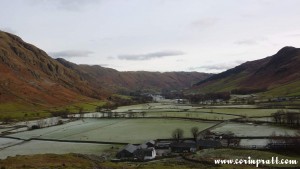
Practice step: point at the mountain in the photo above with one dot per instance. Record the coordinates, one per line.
(32, 78)
(277, 75)
(115, 81)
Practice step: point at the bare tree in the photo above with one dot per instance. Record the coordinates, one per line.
(80, 110)
(116, 114)
(109, 114)
(195, 131)
(143, 113)
(177, 134)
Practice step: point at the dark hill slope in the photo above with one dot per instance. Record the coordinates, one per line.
(114, 80)
(277, 74)
(28, 76)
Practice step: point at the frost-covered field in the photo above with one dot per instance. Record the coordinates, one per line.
(249, 129)
(45, 147)
(202, 115)
(153, 107)
(115, 130)
(256, 142)
(6, 142)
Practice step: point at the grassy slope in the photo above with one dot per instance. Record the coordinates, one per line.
(23, 111)
(291, 89)
(73, 161)
(222, 85)
(244, 154)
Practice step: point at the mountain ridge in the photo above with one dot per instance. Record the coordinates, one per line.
(30, 76)
(268, 73)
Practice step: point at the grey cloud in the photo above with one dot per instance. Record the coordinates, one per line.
(70, 5)
(9, 30)
(74, 4)
(252, 41)
(149, 56)
(104, 65)
(217, 67)
(246, 42)
(70, 53)
(204, 22)
(293, 35)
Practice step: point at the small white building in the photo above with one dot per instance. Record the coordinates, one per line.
(150, 153)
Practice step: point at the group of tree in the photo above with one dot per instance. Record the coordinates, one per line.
(60, 113)
(244, 91)
(287, 118)
(196, 98)
(177, 134)
(172, 94)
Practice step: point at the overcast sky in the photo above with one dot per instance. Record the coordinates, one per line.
(155, 35)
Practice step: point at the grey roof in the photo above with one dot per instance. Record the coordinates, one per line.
(130, 148)
(151, 141)
(184, 145)
(209, 143)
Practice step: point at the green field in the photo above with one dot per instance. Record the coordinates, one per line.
(177, 110)
(115, 130)
(249, 129)
(243, 112)
(43, 147)
(21, 112)
(201, 115)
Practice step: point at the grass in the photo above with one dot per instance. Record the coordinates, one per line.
(77, 161)
(21, 112)
(242, 112)
(244, 154)
(201, 115)
(291, 89)
(43, 147)
(249, 129)
(122, 96)
(68, 161)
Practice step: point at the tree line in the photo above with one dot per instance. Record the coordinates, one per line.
(287, 118)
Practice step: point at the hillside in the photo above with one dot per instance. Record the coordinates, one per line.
(277, 75)
(31, 78)
(115, 81)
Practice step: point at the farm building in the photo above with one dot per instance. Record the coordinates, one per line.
(186, 146)
(145, 151)
(162, 144)
(127, 151)
(208, 144)
(145, 154)
(147, 144)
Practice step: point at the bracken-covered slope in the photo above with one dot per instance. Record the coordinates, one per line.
(29, 76)
(114, 80)
(278, 74)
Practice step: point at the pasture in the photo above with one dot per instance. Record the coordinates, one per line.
(116, 130)
(45, 147)
(250, 129)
